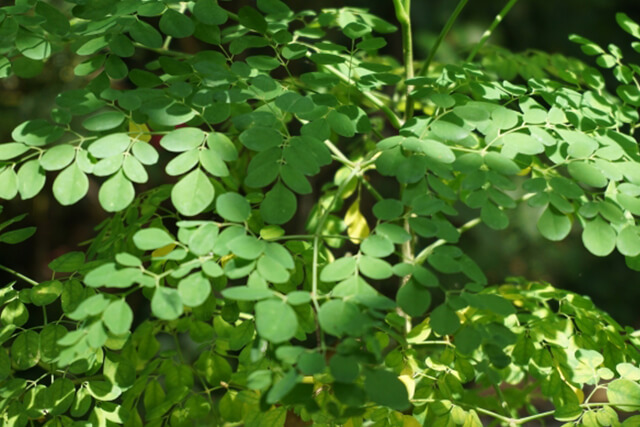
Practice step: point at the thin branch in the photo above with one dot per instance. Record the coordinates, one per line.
(499, 17)
(316, 249)
(19, 275)
(391, 116)
(424, 254)
(442, 35)
(403, 14)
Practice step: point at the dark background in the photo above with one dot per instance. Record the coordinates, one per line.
(531, 24)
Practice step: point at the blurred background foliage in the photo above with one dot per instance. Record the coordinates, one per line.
(542, 25)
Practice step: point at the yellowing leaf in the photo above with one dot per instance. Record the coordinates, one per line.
(410, 384)
(225, 259)
(409, 421)
(165, 250)
(357, 227)
(140, 132)
(525, 171)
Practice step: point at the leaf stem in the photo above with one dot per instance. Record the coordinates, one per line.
(424, 254)
(316, 249)
(391, 116)
(403, 14)
(445, 30)
(496, 21)
(167, 41)
(19, 275)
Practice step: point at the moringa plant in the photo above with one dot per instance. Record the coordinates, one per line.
(285, 208)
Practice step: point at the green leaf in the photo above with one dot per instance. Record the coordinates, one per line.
(57, 157)
(295, 180)
(8, 184)
(213, 163)
(494, 217)
(444, 320)
(341, 124)
(31, 179)
(116, 193)
(377, 246)
(166, 304)
(134, 170)
(175, 24)
(500, 163)
(104, 121)
(5, 365)
(628, 24)
(183, 139)
(145, 34)
(46, 292)
(553, 226)
(520, 143)
(25, 350)
(272, 270)
(588, 174)
(68, 263)
(203, 239)
(338, 317)
(247, 247)
(628, 241)
(208, 12)
(118, 317)
(388, 209)
(344, 369)
(32, 45)
(17, 236)
(252, 19)
(183, 162)
(152, 238)
(437, 151)
(279, 205)
(194, 289)
(599, 237)
(110, 145)
(145, 153)
(624, 394)
(233, 207)
(413, 299)
(375, 268)
(338, 270)
(260, 138)
(70, 185)
(193, 193)
(276, 321)
(384, 388)
(245, 293)
(12, 149)
(55, 21)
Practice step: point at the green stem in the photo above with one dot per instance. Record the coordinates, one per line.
(442, 35)
(403, 14)
(496, 21)
(338, 153)
(516, 421)
(19, 275)
(370, 188)
(391, 116)
(424, 254)
(316, 249)
(167, 41)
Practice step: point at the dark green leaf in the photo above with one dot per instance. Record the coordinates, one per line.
(175, 24)
(384, 388)
(279, 205)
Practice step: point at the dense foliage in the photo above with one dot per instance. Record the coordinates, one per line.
(286, 206)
